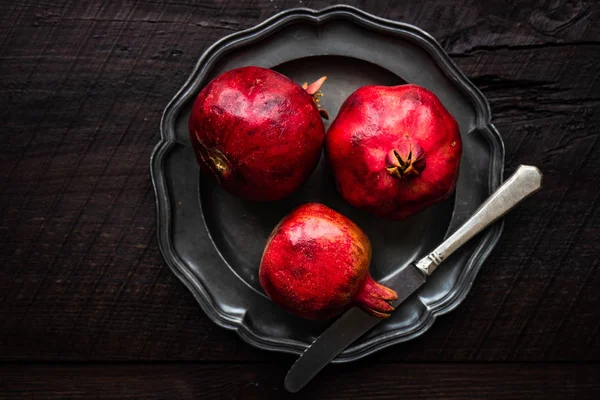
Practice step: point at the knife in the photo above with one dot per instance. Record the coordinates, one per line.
(354, 323)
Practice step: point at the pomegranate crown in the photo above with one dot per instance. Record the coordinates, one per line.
(314, 89)
(406, 161)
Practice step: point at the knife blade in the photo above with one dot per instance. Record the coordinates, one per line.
(355, 323)
(346, 329)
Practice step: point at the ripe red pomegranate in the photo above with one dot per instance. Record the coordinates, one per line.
(257, 132)
(316, 265)
(394, 150)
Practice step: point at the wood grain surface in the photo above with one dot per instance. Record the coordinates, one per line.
(237, 381)
(82, 88)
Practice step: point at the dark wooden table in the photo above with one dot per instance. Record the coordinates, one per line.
(88, 308)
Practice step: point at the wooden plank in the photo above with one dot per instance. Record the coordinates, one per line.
(264, 381)
(83, 88)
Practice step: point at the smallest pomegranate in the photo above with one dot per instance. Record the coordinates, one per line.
(316, 265)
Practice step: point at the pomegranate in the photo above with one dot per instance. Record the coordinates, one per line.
(257, 132)
(316, 265)
(394, 150)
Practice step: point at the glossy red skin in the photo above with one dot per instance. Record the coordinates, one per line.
(376, 119)
(267, 127)
(316, 265)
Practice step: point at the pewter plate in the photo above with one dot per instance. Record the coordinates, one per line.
(213, 241)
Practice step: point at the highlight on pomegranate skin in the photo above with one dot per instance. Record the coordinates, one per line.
(394, 151)
(258, 133)
(316, 265)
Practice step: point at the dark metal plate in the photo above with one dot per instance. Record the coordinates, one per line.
(213, 241)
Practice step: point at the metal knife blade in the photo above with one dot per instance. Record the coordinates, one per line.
(346, 329)
(355, 323)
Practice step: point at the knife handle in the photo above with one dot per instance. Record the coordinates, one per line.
(524, 182)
